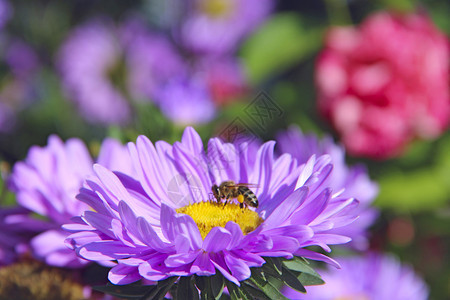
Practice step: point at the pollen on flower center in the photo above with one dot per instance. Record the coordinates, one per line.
(208, 215)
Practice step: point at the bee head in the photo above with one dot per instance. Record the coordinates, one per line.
(216, 192)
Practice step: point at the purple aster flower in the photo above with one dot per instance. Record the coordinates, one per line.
(165, 221)
(349, 181)
(47, 183)
(17, 228)
(104, 67)
(217, 26)
(371, 277)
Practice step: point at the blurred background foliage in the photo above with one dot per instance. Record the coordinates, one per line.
(279, 58)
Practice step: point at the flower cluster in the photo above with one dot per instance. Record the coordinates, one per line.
(384, 83)
(106, 68)
(164, 221)
(48, 181)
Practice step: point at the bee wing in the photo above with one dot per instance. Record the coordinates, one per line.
(253, 185)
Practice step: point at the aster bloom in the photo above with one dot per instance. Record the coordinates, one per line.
(371, 277)
(17, 230)
(47, 183)
(350, 181)
(216, 27)
(164, 222)
(385, 83)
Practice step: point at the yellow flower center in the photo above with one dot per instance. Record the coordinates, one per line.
(208, 215)
(216, 8)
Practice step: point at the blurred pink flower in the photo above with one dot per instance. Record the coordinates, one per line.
(385, 83)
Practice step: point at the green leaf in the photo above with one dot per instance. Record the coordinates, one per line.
(217, 285)
(6, 197)
(279, 44)
(132, 291)
(256, 293)
(233, 290)
(291, 279)
(186, 289)
(266, 287)
(297, 264)
(416, 190)
(399, 5)
(275, 264)
(308, 279)
(161, 289)
(200, 282)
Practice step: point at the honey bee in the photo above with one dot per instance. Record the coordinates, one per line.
(229, 189)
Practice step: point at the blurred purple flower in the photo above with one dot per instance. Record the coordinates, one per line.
(186, 101)
(371, 277)
(47, 183)
(18, 87)
(86, 58)
(194, 100)
(6, 12)
(17, 228)
(349, 181)
(217, 26)
(151, 60)
(160, 224)
(105, 67)
(21, 59)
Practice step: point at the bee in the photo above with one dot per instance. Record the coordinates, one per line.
(229, 189)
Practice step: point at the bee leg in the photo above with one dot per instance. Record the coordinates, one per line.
(241, 205)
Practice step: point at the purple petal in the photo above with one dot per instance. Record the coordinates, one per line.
(181, 259)
(173, 225)
(316, 256)
(236, 234)
(149, 236)
(217, 240)
(286, 208)
(106, 250)
(238, 267)
(220, 264)
(121, 274)
(309, 211)
(191, 139)
(203, 266)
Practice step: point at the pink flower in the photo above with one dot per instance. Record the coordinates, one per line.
(385, 83)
